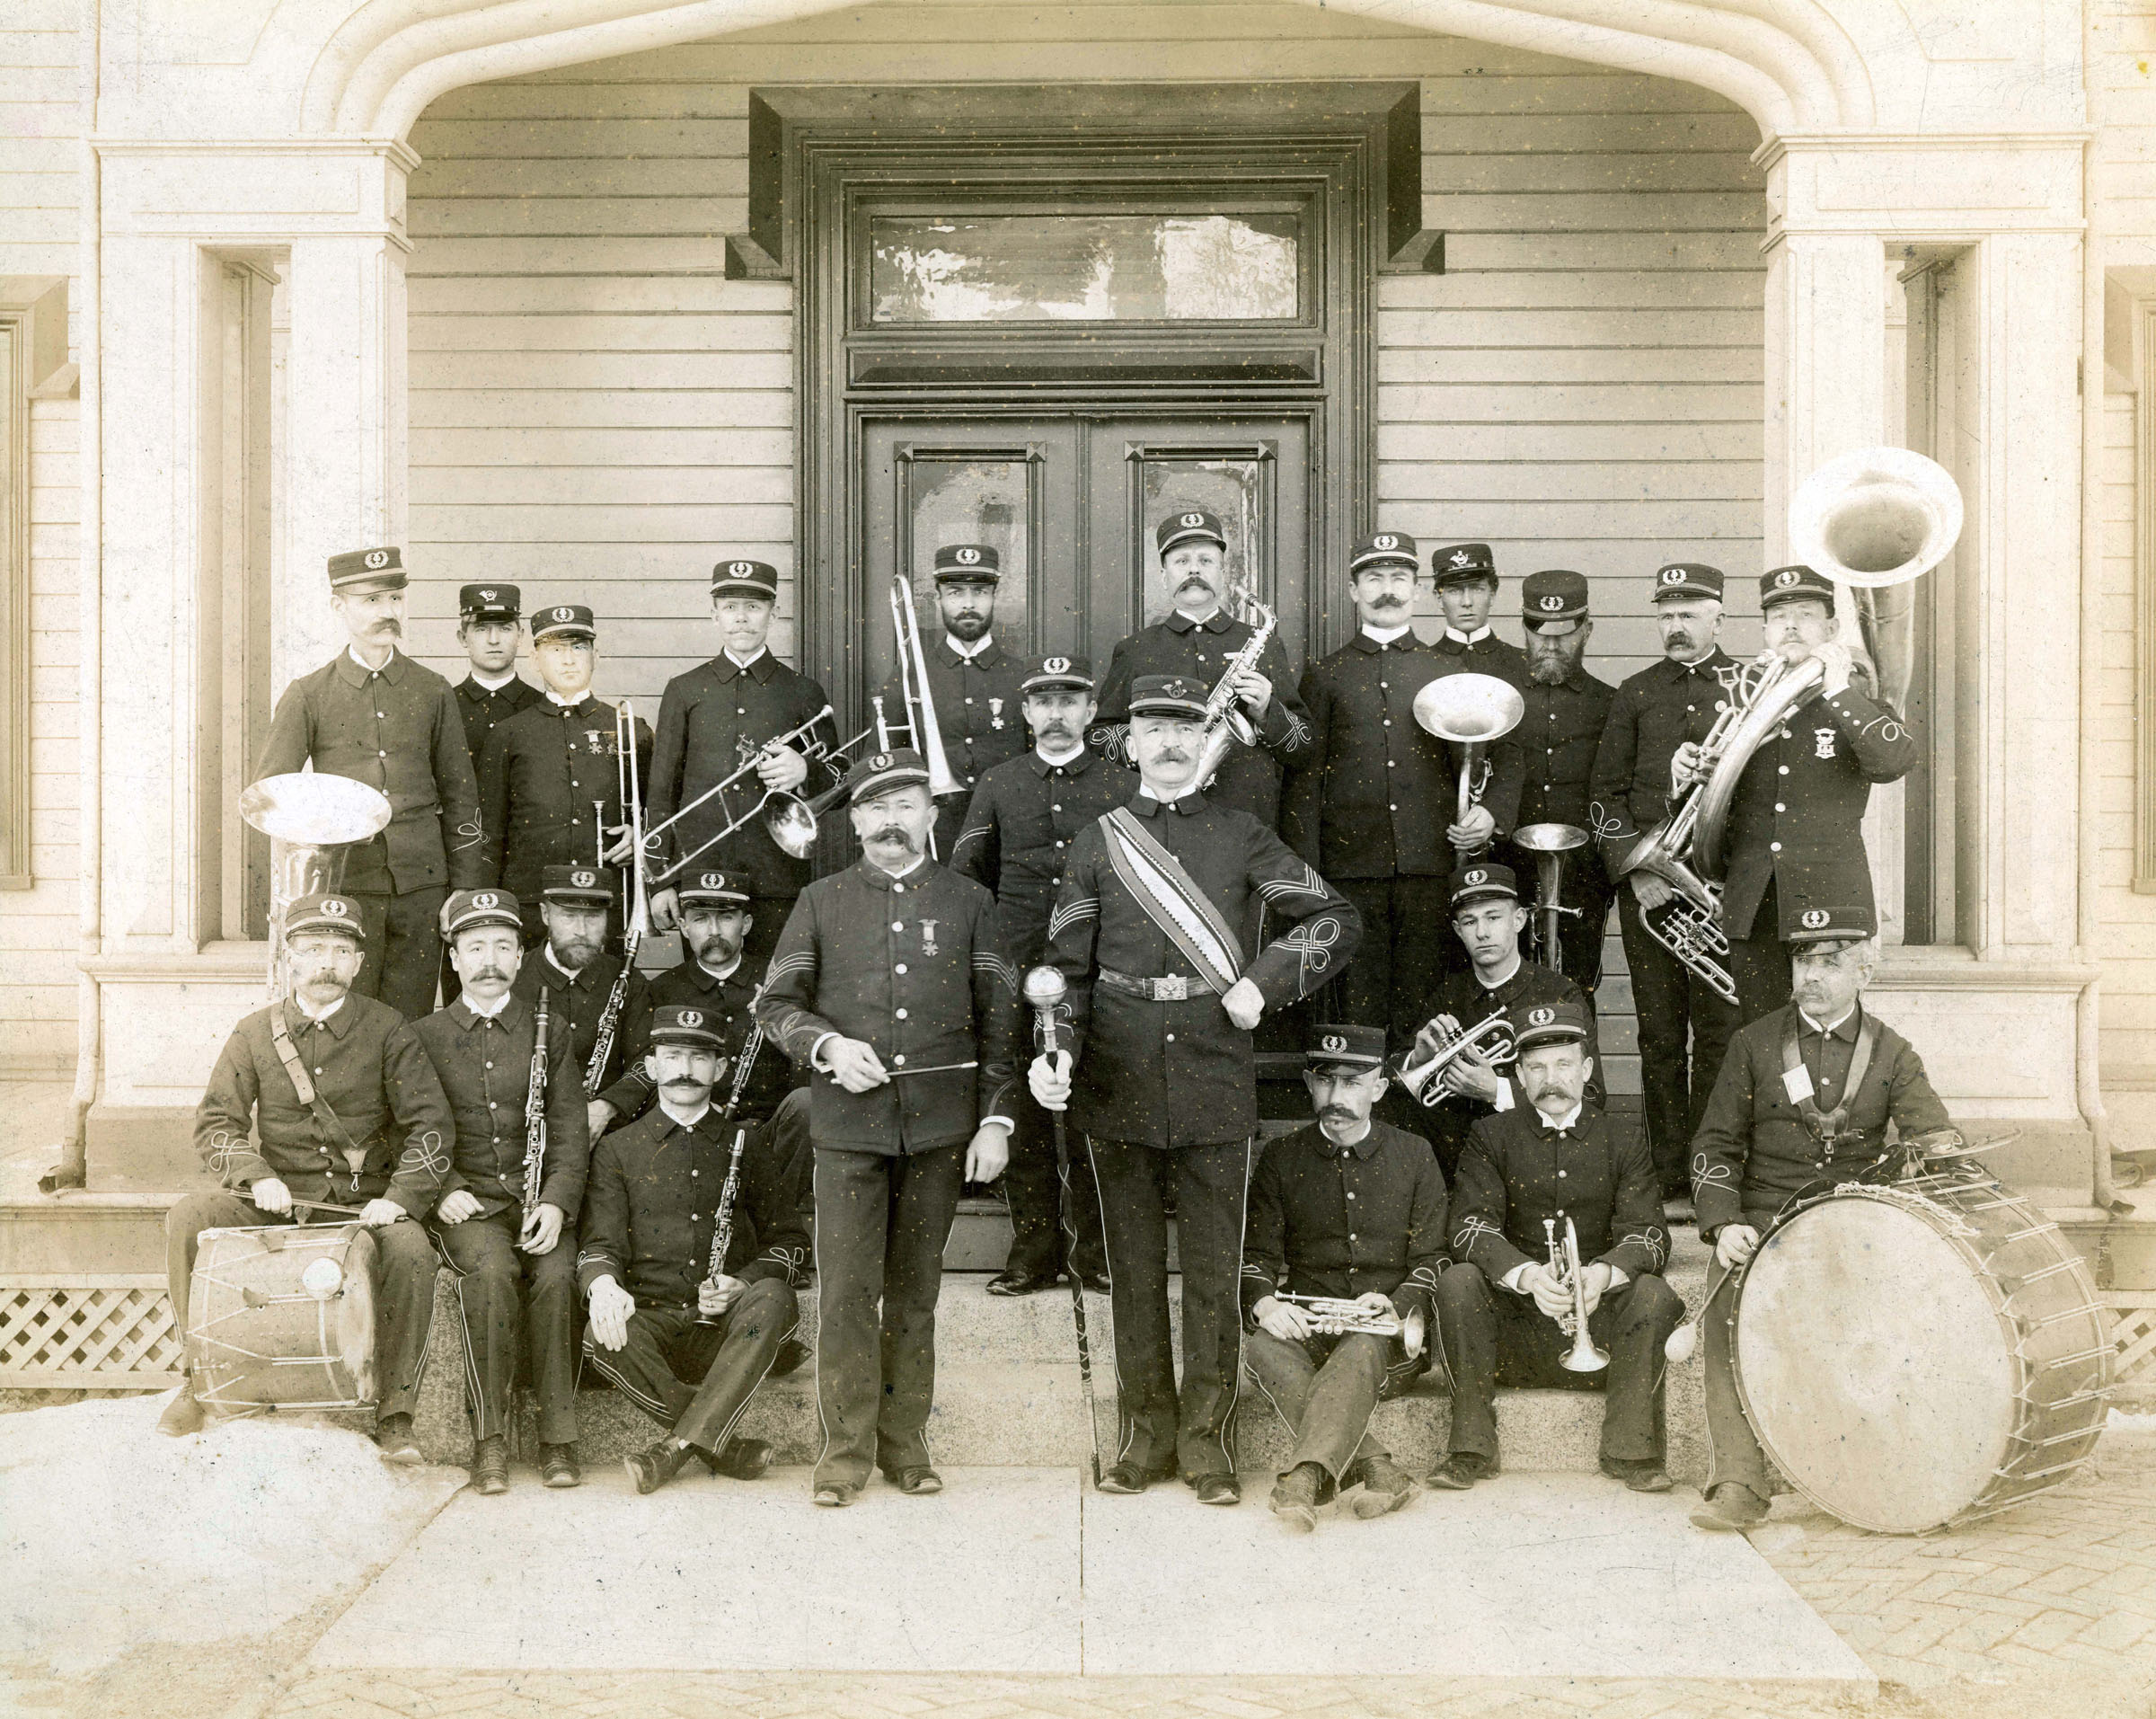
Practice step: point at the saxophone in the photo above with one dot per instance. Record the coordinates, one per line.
(535, 1112)
(1225, 726)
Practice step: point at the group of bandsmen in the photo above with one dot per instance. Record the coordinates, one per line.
(1325, 868)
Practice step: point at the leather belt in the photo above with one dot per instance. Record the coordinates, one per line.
(1172, 988)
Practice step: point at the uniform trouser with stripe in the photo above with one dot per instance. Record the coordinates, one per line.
(1684, 1031)
(696, 1380)
(1407, 947)
(1039, 1242)
(1733, 1450)
(402, 962)
(496, 1283)
(1760, 962)
(405, 1268)
(881, 1222)
(1160, 1430)
(1493, 1336)
(1326, 1388)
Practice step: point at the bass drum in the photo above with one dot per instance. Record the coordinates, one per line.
(1920, 1354)
(283, 1317)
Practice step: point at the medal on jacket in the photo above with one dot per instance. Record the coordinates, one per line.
(928, 937)
(1824, 739)
(596, 741)
(995, 712)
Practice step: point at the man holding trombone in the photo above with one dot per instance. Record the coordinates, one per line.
(1558, 1235)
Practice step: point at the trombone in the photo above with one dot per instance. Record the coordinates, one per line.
(629, 852)
(924, 733)
(782, 811)
(1421, 1079)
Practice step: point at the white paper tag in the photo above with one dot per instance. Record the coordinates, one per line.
(1798, 1083)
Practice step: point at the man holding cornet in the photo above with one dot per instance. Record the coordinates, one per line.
(1346, 1210)
(1556, 1215)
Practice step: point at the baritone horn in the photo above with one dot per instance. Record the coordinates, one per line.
(312, 819)
(1338, 1316)
(1471, 711)
(1549, 843)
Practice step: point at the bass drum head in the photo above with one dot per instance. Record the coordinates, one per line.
(354, 1331)
(1874, 1366)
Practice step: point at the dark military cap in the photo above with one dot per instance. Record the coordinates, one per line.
(465, 909)
(1060, 674)
(1551, 1023)
(1555, 595)
(584, 884)
(1484, 878)
(900, 768)
(324, 913)
(683, 1023)
(1459, 561)
(746, 579)
(961, 562)
(487, 604)
(1688, 579)
(358, 570)
(710, 886)
(1385, 549)
(1193, 525)
(1356, 1047)
(562, 620)
(1167, 696)
(1785, 584)
(1852, 923)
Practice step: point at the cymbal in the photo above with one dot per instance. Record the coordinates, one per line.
(314, 809)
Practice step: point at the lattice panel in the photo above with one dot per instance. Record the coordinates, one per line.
(2133, 1330)
(87, 1331)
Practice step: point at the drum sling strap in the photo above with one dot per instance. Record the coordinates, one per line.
(1827, 1125)
(280, 1035)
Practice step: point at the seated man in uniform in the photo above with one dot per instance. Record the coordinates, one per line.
(686, 1339)
(1556, 1159)
(504, 1254)
(1487, 918)
(574, 964)
(1805, 1096)
(1349, 1208)
(348, 1114)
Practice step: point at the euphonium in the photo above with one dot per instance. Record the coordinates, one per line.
(311, 817)
(1225, 726)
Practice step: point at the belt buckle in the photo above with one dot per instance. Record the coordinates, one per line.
(1175, 988)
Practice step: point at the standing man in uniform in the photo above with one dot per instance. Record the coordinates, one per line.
(973, 682)
(1684, 1025)
(686, 1345)
(550, 777)
(1371, 808)
(1017, 841)
(1148, 936)
(493, 691)
(1568, 709)
(890, 984)
(1195, 642)
(374, 715)
(508, 1261)
(1465, 575)
(1556, 1159)
(325, 1095)
(579, 973)
(1806, 1093)
(1796, 830)
(712, 720)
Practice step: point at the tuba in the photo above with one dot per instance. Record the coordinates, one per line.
(1470, 710)
(310, 818)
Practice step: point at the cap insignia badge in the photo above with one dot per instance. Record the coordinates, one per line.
(967, 557)
(333, 908)
(583, 880)
(1540, 1017)
(1461, 558)
(1333, 1041)
(1814, 917)
(692, 1017)
(1193, 520)
(1057, 666)
(1787, 576)
(1551, 603)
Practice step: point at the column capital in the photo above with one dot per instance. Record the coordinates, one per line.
(1922, 186)
(255, 190)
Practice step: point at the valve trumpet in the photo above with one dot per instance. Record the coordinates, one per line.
(1491, 1036)
(1337, 1316)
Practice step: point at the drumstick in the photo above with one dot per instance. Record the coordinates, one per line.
(323, 1205)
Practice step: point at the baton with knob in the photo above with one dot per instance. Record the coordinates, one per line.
(1044, 990)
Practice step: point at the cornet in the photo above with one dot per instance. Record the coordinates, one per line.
(1583, 1356)
(1422, 1078)
(1334, 1316)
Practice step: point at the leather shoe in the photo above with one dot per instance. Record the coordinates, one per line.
(1125, 1479)
(1730, 1507)
(1461, 1470)
(922, 1481)
(1385, 1487)
(742, 1459)
(836, 1495)
(1639, 1474)
(653, 1466)
(791, 1353)
(1095, 1282)
(393, 1437)
(1295, 1498)
(490, 1466)
(184, 1414)
(1217, 1489)
(558, 1465)
(1009, 1282)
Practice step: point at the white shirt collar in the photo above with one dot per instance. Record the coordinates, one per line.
(1199, 620)
(310, 1013)
(899, 877)
(1342, 1146)
(1568, 1120)
(687, 1119)
(1386, 634)
(554, 697)
(745, 662)
(554, 961)
(970, 651)
(365, 668)
(1183, 793)
(485, 1014)
(1476, 637)
(727, 971)
(1504, 978)
(1834, 1025)
(1060, 757)
(491, 685)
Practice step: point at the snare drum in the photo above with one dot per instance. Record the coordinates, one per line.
(1923, 1353)
(283, 1317)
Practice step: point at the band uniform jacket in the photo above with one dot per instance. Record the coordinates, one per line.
(485, 1067)
(1755, 1149)
(712, 721)
(1518, 1168)
(1179, 1073)
(1347, 1221)
(653, 1202)
(1376, 792)
(1797, 819)
(539, 777)
(1651, 714)
(1558, 738)
(368, 1067)
(580, 1001)
(1468, 1001)
(1487, 655)
(725, 1003)
(397, 730)
(1018, 834)
(1249, 776)
(915, 967)
(977, 713)
(485, 712)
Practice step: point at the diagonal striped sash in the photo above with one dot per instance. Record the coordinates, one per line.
(1172, 899)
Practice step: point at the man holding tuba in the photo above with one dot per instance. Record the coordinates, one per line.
(1796, 814)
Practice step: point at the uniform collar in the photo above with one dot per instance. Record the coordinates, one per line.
(1218, 621)
(1367, 640)
(1186, 804)
(707, 979)
(1577, 681)
(1518, 969)
(1453, 636)
(479, 689)
(509, 1016)
(877, 878)
(674, 1121)
(1365, 1149)
(356, 673)
(562, 973)
(986, 654)
(339, 1020)
(1566, 1124)
(1845, 1029)
(1708, 665)
(760, 668)
(1075, 765)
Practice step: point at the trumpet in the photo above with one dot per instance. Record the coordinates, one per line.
(1337, 1316)
(1225, 726)
(1421, 1079)
(1473, 712)
(1549, 843)
(776, 806)
(1584, 1356)
(924, 733)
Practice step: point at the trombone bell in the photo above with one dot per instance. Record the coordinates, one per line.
(1874, 517)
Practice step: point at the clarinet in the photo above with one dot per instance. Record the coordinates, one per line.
(722, 1220)
(535, 1112)
(745, 1061)
(610, 1018)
